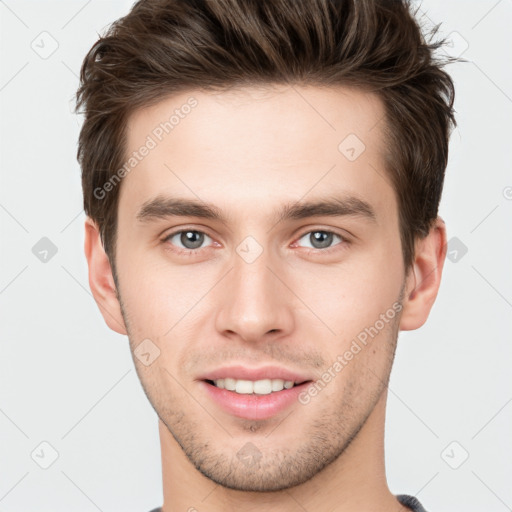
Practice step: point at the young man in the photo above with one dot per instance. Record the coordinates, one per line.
(262, 180)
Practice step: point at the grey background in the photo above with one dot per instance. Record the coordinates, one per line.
(67, 380)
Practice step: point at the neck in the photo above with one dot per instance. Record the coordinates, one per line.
(356, 481)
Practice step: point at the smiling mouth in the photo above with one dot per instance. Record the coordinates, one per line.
(249, 387)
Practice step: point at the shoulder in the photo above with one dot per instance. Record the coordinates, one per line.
(411, 502)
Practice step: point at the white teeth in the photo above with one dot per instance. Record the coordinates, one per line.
(244, 387)
(277, 384)
(262, 387)
(229, 384)
(248, 387)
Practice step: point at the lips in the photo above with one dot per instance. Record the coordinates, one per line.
(239, 372)
(254, 406)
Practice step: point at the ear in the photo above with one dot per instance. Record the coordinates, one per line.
(101, 280)
(424, 277)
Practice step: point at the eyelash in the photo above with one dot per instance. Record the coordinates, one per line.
(191, 252)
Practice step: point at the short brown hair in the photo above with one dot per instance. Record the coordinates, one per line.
(163, 47)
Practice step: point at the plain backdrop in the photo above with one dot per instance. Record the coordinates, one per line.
(70, 399)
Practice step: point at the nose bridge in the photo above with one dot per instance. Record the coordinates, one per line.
(256, 301)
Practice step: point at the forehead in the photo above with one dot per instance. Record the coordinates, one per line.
(256, 143)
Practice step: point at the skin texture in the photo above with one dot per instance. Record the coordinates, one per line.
(249, 152)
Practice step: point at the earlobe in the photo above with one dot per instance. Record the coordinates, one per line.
(101, 280)
(424, 277)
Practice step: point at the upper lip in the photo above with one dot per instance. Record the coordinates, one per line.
(264, 372)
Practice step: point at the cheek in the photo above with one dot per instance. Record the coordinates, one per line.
(155, 293)
(350, 296)
(158, 299)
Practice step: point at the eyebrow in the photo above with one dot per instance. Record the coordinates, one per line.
(163, 207)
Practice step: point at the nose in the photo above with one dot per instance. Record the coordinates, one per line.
(255, 303)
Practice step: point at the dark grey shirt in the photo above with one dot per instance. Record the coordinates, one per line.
(406, 500)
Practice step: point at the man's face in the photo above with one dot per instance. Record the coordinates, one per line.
(254, 289)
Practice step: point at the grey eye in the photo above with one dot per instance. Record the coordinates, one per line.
(190, 239)
(320, 239)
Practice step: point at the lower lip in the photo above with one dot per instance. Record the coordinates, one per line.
(254, 407)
